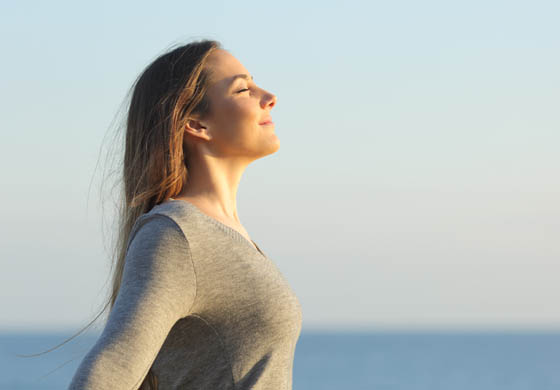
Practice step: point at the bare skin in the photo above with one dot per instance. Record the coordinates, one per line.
(220, 146)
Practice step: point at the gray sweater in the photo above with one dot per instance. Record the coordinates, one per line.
(200, 305)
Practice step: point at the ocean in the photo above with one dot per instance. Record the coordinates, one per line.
(342, 361)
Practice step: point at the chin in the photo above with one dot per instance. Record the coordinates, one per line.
(270, 148)
(276, 144)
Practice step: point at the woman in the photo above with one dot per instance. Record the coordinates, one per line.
(196, 304)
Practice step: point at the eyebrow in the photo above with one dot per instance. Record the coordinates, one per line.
(242, 76)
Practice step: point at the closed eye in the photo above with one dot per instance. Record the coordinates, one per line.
(243, 90)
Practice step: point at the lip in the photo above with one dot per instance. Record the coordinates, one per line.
(267, 121)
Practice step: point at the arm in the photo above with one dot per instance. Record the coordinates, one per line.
(158, 288)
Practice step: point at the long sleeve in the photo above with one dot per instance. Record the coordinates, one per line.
(158, 288)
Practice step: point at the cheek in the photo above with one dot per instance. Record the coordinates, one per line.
(238, 117)
(243, 111)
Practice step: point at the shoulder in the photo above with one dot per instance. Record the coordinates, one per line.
(158, 257)
(157, 226)
(164, 221)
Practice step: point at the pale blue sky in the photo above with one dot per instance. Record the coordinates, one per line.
(417, 180)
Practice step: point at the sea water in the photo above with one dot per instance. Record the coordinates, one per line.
(341, 361)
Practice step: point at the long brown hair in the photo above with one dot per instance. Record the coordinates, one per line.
(165, 95)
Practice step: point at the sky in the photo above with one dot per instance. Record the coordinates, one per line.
(416, 185)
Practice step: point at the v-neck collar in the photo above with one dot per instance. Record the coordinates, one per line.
(228, 229)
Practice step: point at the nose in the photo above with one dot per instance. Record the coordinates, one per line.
(270, 100)
(273, 101)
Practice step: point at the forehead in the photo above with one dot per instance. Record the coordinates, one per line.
(224, 66)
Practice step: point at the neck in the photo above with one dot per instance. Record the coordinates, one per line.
(212, 185)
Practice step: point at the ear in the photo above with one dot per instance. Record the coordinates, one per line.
(197, 129)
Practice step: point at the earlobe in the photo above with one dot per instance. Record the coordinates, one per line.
(196, 128)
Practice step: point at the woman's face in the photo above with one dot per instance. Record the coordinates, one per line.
(238, 109)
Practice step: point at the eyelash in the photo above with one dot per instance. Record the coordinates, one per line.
(243, 90)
